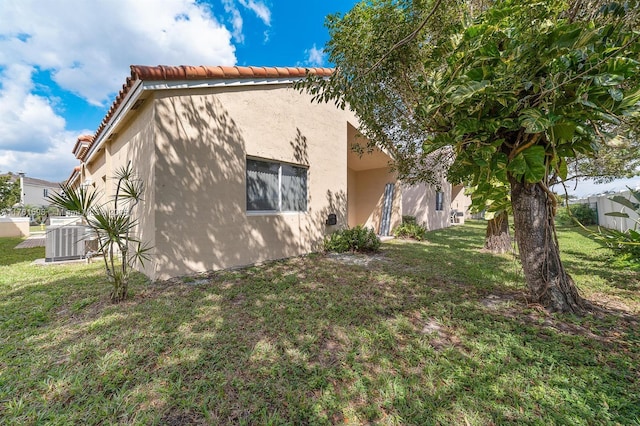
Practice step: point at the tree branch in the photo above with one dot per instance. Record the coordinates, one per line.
(531, 142)
(405, 40)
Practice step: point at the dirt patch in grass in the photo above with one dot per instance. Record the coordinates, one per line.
(359, 259)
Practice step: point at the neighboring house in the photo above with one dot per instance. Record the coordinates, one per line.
(460, 202)
(34, 191)
(430, 207)
(239, 166)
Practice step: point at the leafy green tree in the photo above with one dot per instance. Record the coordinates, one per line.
(510, 91)
(9, 192)
(113, 223)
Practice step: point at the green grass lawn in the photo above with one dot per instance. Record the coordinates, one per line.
(424, 333)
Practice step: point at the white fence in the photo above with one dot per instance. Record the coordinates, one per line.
(603, 204)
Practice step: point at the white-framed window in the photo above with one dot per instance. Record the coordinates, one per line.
(45, 192)
(275, 187)
(439, 200)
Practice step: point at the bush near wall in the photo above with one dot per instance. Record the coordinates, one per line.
(580, 212)
(410, 229)
(356, 239)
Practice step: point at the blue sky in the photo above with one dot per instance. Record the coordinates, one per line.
(63, 61)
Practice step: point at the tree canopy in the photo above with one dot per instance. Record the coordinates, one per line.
(512, 91)
(9, 192)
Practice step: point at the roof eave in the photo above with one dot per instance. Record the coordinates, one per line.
(121, 112)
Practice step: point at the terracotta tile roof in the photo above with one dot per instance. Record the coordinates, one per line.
(82, 146)
(185, 72)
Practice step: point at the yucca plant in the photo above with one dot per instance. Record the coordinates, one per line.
(623, 242)
(113, 224)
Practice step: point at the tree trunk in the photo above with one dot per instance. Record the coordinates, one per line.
(548, 282)
(497, 239)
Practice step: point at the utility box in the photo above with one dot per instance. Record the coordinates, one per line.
(66, 242)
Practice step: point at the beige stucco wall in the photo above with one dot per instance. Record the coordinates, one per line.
(190, 149)
(420, 201)
(133, 142)
(14, 227)
(368, 196)
(460, 201)
(203, 137)
(96, 171)
(136, 142)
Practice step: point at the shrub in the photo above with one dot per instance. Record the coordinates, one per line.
(357, 239)
(626, 244)
(410, 229)
(113, 224)
(408, 219)
(580, 212)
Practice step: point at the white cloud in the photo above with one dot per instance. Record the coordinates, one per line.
(315, 57)
(260, 9)
(27, 121)
(236, 19)
(55, 164)
(33, 138)
(88, 46)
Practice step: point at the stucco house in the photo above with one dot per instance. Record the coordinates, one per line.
(239, 166)
(34, 190)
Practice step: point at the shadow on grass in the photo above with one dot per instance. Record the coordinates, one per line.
(408, 339)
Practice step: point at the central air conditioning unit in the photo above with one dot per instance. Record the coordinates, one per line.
(67, 242)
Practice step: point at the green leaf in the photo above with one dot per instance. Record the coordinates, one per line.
(534, 121)
(562, 169)
(630, 99)
(499, 166)
(534, 158)
(530, 163)
(616, 94)
(564, 130)
(624, 201)
(589, 104)
(479, 74)
(439, 140)
(608, 79)
(475, 30)
(490, 50)
(517, 166)
(617, 214)
(482, 155)
(489, 215)
(458, 94)
(567, 38)
(467, 125)
(620, 66)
